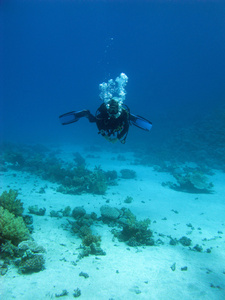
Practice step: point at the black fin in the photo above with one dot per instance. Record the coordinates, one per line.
(68, 118)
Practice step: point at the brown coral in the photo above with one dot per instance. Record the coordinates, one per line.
(32, 264)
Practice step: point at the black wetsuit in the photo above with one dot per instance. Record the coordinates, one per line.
(110, 127)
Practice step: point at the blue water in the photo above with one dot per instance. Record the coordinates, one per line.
(55, 54)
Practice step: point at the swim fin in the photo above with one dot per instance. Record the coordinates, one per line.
(68, 118)
(140, 122)
(73, 116)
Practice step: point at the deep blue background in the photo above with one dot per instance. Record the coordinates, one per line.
(54, 54)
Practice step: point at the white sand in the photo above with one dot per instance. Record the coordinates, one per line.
(125, 272)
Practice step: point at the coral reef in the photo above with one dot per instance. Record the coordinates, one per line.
(185, 241)
(61, 213)
(93, 249)
(78, 212)
(191, 181)
(194, 181)
(12, 228)
(30, 258)
(32, 246)
(8, 250)
(26, 256)
(28, 220)
(31, 262)
(36, 211)
(56, 214)
(109, 213)
(90, 243)
(9, 201)
(77, 293)
(96, 183)
(198, 248)
(82, 180)
(66, 211)
(3, 267)
(128, 199)
(134, 233)
(83, 274)
(111, 175)
(73, 178)
(63, 293)
(128, 174)
(88, 239)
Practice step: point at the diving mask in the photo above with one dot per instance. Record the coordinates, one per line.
(114, 108)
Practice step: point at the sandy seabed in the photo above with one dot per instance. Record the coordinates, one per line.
(124, 272)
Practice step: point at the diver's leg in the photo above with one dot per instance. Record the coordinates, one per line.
(86, 113)
(90, 117)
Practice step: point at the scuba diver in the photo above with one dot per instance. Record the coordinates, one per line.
(112, 118)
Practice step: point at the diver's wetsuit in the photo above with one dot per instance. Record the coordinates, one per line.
(112, 123)
(110, 127)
